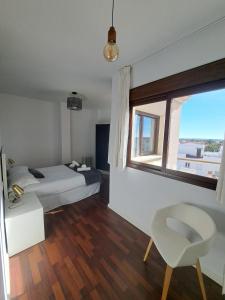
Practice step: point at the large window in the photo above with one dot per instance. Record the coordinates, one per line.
(180, 134)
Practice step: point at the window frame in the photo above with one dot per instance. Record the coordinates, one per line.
(202, 79)
(156, 129)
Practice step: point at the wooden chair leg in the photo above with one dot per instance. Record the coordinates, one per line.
(148, 250)
(166, 283)
(201, 281)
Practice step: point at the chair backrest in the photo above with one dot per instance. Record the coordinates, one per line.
(194, 217)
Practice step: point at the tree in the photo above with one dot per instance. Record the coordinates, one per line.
(212, 147)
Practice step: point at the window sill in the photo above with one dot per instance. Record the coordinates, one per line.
(209, 183)
(153, 159)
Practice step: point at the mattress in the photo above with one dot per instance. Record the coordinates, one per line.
(58, 179)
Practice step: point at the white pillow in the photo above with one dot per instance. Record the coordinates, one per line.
(23, 180)
(18, 170)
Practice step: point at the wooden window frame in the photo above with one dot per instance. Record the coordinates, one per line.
(204, 78)
(156, 129)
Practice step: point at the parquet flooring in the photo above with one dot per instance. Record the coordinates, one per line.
(91, 253)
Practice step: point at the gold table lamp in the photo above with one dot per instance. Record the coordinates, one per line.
(18, 191)
(15, 195)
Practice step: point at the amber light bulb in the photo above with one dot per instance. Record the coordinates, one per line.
(111, 50)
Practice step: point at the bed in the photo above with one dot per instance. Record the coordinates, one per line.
(61, 185)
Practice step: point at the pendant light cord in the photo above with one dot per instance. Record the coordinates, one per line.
(112, 11)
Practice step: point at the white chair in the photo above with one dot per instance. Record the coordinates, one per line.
(175, 248)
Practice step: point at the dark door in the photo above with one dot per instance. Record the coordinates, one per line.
(102, 146)
(199, 152)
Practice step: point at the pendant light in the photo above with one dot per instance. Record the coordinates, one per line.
(111, 50)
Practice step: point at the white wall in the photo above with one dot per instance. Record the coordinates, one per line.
(41, 133)
(104, 115)
(83, 131)
(174, 134)
(65, 133)
(136, 195)
(30, 130)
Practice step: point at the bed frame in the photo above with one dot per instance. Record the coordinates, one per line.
(4, 174)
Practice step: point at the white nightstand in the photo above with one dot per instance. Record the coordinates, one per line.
(24, 224)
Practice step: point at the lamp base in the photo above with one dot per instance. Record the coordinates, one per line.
(15, 203)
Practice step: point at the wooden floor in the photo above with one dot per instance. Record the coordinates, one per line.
(92, 253)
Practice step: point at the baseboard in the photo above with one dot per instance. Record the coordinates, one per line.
(215, 277)
(128, 219)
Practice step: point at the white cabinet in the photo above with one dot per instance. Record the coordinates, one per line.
(24, 224)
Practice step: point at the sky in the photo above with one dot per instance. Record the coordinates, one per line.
(203, 116)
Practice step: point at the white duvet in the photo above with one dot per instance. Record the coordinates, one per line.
(58, 179)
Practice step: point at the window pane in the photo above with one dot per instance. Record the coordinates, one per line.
(197, 126)
(136, 135)
(148, 133)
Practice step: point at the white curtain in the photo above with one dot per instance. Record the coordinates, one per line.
(119, 128)
(220, 189)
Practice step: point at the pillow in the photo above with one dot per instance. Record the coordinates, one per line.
(36, 173)
(23, 180)
(16, 173)
(18, 170)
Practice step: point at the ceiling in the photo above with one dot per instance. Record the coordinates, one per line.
(51, 47)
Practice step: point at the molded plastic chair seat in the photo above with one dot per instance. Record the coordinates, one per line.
(170, 245)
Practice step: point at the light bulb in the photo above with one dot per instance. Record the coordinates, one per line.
(111, 51)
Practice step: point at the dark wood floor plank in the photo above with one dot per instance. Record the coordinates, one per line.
(74, 273)
(87, 270)
(91, 253)
(57, 290)
(120, 283)
(23, 297)
(111, 294)
(94, 295)
(17, 285)
(69, 286)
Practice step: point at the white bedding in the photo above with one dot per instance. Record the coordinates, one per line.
(53, 201)
(58, 179)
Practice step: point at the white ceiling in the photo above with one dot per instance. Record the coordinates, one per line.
(51, 47)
